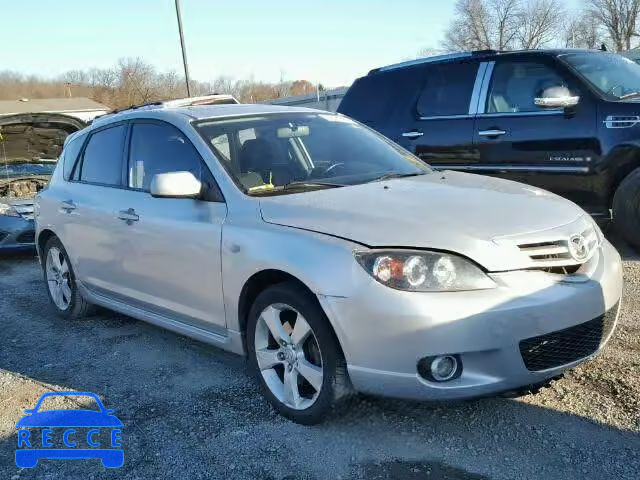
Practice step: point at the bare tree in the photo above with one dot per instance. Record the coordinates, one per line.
(540, 22)
(581, 31)
(483, 24)
(620, 18)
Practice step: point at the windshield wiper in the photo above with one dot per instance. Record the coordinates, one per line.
(311, 184)
(630, 95)
(389, 176)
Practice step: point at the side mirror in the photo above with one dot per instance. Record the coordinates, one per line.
(557, 97)
(175, 185)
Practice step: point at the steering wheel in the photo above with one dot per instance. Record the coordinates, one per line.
(331, 168)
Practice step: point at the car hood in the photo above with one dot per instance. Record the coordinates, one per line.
(69, 418)
(451, 211)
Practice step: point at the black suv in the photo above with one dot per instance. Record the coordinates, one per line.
(567, 121)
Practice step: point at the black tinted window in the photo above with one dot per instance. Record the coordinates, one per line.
(159, 148)
(370, 98)
(447, 90)
(516, 85)
(102, 160)
(70, 155)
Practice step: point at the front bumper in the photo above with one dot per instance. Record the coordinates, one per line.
(16, 233)
(385, 332)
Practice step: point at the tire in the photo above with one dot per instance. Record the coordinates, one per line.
(287, 303)
(73, 305)
(626, 208)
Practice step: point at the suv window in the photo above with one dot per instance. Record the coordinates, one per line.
(515, 86)
(102, 160)
(448, 90)
(70, 155)
(160, 148)
(371, 98)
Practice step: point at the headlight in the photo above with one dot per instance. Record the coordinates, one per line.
(423, 271)
(8, 210)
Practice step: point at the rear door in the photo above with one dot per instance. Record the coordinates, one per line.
(436, 123)
(518, 140)
(87, 209)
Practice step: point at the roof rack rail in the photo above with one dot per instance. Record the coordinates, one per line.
(486, 51)
(212, 99)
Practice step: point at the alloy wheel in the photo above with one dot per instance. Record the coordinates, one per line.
(58, 278)
(288, 356)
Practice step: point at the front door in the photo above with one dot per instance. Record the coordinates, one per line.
(518, 140)
(171, 251)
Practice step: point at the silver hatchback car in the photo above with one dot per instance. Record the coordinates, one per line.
(334, 259)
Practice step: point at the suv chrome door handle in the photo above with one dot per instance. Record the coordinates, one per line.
(491, 133)
(129, 216)
(67, 206)
(414, 134)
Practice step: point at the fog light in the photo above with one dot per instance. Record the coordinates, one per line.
(441, 368)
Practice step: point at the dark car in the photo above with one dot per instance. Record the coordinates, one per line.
(567, 121)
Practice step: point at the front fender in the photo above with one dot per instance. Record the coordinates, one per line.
(325, 264)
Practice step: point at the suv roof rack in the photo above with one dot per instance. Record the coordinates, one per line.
(212, 99)
(435, 58)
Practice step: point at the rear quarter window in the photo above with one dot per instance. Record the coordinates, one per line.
(370, 99)
(70, 155)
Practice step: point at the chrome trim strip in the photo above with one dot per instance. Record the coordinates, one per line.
(514, 168)
(420, 61)
(484, 90)
(522, 114)
(477, 86)
(446, 117)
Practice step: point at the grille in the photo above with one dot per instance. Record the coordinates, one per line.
(566, 346)
(555, 257)
(26, 237)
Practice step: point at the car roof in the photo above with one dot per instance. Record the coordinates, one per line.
(202, 112)
(485, 55)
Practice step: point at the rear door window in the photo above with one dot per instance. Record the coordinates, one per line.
(102, 159)
(447, 90)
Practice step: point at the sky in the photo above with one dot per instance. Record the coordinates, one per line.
(330, 41)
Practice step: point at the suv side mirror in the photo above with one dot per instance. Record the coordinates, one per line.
(557, 97)
(175, 185)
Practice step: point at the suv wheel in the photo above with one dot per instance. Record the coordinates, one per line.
(61, 282)
(626, 208)
(295, 354)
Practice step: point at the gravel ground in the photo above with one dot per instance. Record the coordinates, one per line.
(191, 410)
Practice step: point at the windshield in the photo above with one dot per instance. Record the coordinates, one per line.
(285, 153)
(614, 76)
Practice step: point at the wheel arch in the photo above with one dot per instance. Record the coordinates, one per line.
(623, 160)
(43, 237)
(259, 282)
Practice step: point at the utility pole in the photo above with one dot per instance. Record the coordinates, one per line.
(184, 53)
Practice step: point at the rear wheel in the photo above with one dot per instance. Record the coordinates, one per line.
(295, 354)
(61, 282)
(626, 208)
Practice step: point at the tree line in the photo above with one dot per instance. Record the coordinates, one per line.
(132, 81)
(526, 24)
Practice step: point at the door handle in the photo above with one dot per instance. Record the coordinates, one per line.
(494, 132)
(67, 206)
(129, 216)
(412, 135)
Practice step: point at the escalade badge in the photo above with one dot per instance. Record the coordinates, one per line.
(578, 248)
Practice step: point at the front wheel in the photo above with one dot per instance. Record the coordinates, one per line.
(295, 353)
(626, 208)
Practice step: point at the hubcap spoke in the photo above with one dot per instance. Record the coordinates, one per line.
(300, 331)
(66, 292)
(267, 358)
(311, 373)
(271, 317)
(55, 259)
(64, 268)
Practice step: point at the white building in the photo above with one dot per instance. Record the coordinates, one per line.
(83, 108)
